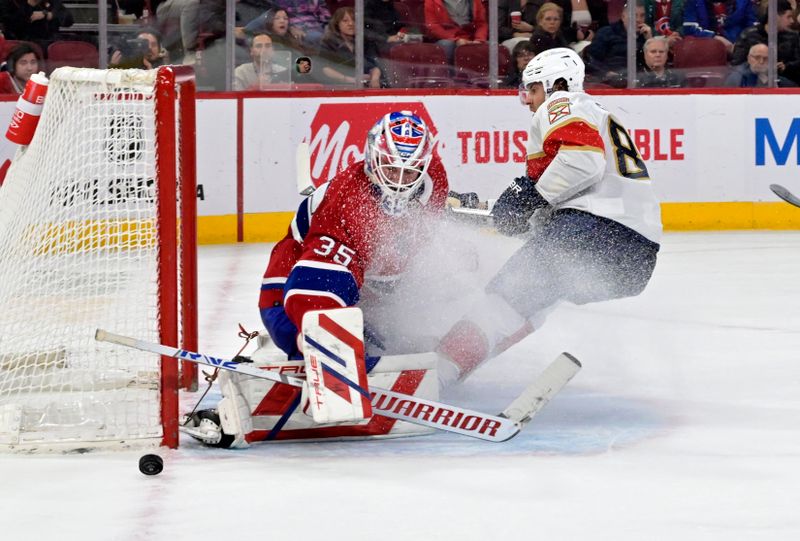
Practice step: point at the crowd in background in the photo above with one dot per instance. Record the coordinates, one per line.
(312, 43)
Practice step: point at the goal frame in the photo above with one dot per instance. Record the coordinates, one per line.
(176, 137)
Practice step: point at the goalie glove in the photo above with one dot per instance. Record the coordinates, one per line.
(516, 205)
(467, 200)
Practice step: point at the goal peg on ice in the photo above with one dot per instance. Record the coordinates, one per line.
(29, 109)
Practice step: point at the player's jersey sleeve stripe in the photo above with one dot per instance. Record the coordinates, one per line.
(315, 278)
(273, 283)
(582, 148)
(308, 293)
(574, 132)
(573, 135)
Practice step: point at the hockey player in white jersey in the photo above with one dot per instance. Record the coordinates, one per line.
(587, 204)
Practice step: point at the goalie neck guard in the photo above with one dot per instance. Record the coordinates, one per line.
(554, 64)
(398, 152)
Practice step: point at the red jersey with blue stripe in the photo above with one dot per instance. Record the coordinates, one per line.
(339, 234)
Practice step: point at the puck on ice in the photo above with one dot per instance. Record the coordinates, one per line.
(151, 464)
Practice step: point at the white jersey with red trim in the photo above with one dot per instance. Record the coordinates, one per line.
(581, 157)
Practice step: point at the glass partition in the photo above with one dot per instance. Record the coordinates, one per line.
(267, 45)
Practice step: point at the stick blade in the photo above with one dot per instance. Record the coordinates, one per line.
(785, 194)
(543, 388)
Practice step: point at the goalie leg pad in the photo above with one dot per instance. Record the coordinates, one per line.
(234, 408)
(333, 349)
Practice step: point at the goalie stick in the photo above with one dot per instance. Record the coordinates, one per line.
(430, 413)
(785, 194)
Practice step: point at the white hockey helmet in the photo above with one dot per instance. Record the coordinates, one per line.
(398, 152)
(551, 65)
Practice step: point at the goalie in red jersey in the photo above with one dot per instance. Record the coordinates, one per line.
(367, 221)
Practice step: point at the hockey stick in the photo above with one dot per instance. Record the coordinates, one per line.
(785, 194)
(430, 413)
(305, 186)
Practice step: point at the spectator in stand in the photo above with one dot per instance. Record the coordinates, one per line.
(337, 53)
(665, 17)
(788, 42)
(547, 34)
(754, 72)
(177, 22)
(23, 61)
(261, 71)
(453, 23)
(656, 74)
(146, 54)
(382, 25)
(513, 32)
(608, 53)
(723, 19)
(34, 20)
(309, 19)
(275, 22)
(579, 19)
(522, 54)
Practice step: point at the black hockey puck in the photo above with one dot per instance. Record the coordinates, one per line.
(151, 464)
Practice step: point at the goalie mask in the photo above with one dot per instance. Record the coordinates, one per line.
(398, 152)
(549, 66)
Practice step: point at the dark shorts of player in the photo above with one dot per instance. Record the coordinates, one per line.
(577, 257)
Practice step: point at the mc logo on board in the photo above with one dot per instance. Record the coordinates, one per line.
(339, 131)
(780, 147)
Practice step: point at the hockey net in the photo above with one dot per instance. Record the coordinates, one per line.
(94, 233)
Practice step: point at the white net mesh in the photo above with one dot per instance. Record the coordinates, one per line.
(78, 251)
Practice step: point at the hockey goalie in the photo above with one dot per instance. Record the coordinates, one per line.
(360, 228)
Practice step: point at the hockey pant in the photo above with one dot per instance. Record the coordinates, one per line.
(573, 256)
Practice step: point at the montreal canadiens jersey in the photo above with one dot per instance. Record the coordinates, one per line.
(339, 234)
(581, 157)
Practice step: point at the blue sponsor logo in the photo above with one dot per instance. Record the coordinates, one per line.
(780, 149)
(213, 361)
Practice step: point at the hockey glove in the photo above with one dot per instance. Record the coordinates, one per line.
(468, 200)
(516, 205)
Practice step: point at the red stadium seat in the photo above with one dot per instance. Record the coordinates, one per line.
(472, 63)
(8, 44)
(692, 52)
(418, 65)
(79, 54)
(707, 78)
(6, 86)
(333, 5)
(412, 14)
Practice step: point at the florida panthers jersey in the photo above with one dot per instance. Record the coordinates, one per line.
(339, 235)
(581, 157)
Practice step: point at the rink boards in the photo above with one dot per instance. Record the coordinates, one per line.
(712, 156)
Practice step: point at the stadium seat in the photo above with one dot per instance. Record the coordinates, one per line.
(8, 44)
(692, 52)
(79, 54)
(418, 65)
(472, 64)
(6, 86)
(412, 14)
(333, 5)
(707, 78)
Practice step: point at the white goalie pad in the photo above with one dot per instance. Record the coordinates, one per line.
(336, 377)
(266, 411)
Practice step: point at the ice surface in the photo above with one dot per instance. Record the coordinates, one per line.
(684, 424)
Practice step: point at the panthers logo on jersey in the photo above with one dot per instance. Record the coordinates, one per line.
(558, 109)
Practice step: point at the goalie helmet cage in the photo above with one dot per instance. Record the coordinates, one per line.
(98, 229)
